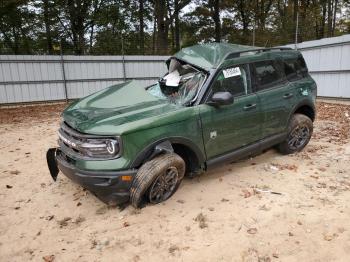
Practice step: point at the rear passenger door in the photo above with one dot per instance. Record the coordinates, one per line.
(274, 93)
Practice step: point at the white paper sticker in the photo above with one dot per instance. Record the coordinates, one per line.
(230, 72)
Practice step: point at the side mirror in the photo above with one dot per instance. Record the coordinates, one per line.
(221, 99)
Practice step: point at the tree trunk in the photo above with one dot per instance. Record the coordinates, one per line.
(216, 18)
(162, 28)
(329, 18)
(47, 26)
(172, 31)
(177, 26)
(243, 11)
(91, 36)
(295, 15)
(141, 30)
(334, 16)
(323, 20)
(16, 42)
(78, 13)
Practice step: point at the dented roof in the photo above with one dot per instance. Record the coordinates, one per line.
(208, 56)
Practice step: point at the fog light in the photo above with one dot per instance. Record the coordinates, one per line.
(126, 178)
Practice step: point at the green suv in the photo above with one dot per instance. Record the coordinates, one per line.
(217, 103)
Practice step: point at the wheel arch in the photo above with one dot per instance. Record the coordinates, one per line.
(306, 108)
(184, 147)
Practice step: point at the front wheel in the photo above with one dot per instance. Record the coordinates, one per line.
(157, 179)
(299, 134)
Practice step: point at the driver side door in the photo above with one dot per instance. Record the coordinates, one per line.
(230, 127)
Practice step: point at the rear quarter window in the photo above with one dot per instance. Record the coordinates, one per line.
(267, 74)
(294, 68)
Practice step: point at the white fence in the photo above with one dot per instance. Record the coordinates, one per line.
(328, 61)
(48, 78)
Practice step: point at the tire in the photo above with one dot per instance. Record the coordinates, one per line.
(299, 133)
(150, 181)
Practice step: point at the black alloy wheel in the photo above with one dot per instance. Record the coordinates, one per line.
(164, 185)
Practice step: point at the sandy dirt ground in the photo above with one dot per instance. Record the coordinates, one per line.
(227, 214)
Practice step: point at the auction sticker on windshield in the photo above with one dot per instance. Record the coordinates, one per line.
(230, 72)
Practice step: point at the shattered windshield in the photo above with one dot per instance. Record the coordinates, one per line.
(180, 85)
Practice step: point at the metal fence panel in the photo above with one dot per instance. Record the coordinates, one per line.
(30, 78)
(40, 78)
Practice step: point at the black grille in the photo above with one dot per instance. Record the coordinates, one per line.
(69, 139)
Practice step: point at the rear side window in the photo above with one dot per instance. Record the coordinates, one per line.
(295, 68)
(267, 74)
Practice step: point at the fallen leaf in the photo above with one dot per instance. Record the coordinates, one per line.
(64, 221)
(246, 193)
(173, 248)
(328, 237)
(264, 208)
(101, 210)
(252, 230)
(264, 259)
(49, 258)
(49, 217)
(202, 220)
(79, 219)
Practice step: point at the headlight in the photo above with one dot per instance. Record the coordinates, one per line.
(88, 146)
(101, 147)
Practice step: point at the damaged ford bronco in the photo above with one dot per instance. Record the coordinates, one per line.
(217, 103)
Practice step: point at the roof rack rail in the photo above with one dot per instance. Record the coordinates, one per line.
(259, 50)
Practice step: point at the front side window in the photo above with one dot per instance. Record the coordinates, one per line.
(235, 79)
(267, 74)
(180, 85)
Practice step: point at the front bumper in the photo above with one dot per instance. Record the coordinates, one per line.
(106, 185)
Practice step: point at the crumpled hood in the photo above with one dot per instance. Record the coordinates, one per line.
(108, 111)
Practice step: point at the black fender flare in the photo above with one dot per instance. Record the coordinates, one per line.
(165, 146)
(304, 102)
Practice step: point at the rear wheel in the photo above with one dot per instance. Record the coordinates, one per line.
(299, 133)
(157, 179)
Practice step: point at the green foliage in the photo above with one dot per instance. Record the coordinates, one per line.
(115, 27)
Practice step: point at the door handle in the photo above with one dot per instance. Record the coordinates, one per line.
(287, 96)
(249, 107)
